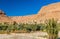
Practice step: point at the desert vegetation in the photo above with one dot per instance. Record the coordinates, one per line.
(50, 26)
(18, 28)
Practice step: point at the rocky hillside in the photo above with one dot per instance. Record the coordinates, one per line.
(24, 19)
(4, 18)
(47, 12)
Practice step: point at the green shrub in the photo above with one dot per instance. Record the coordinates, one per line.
(52, 29)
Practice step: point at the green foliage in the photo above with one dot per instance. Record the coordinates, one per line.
(21, 27)
(52, 29)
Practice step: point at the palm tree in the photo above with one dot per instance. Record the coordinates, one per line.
(51, 28)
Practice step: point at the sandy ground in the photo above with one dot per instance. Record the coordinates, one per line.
(36, 35)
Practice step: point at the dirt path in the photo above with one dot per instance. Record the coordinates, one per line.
(36, 35)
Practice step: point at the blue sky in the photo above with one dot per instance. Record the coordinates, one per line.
(23, 7)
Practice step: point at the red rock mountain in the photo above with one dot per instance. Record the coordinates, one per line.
(4, 18)
(47, 12)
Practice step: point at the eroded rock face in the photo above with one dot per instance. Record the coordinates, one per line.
(50, 11)
(4, 18)
(24, 19)
(47, 12)
(2, 13)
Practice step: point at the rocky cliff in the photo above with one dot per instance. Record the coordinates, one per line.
(4, 18)
(47, 12)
